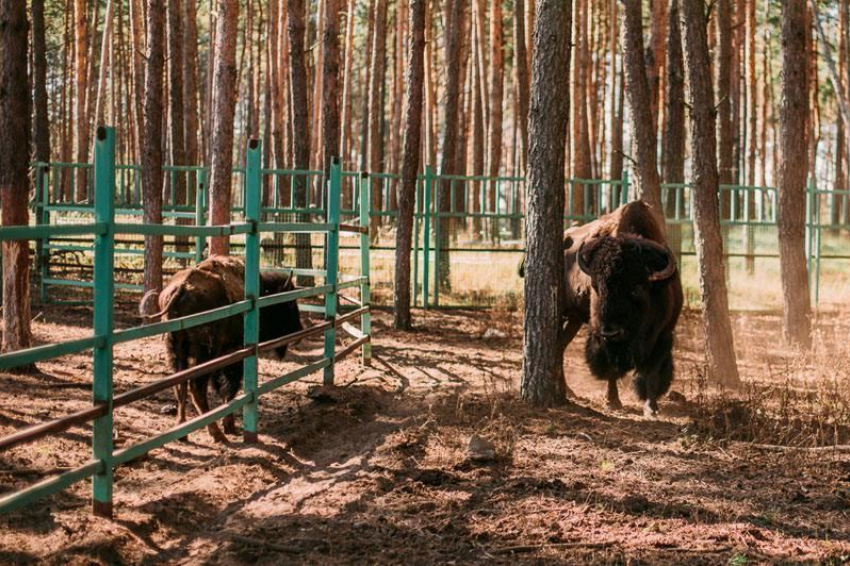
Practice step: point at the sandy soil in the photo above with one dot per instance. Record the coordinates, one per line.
(377, 470)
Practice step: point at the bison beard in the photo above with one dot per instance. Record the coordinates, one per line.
(214, 283)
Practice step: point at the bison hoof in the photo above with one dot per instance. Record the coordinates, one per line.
(615, 405)
(650, 409)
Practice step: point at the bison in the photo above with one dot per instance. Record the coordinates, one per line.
(216, 282)
(622, 281)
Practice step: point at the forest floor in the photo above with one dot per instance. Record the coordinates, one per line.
(377, 470)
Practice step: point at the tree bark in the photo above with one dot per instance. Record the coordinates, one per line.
(347, 95)
(454, 25)
(176, 42)
(41, 126)
(637, 89)
(674, 135)
(14, 174)
(521, 69)
(543, 383)
(376, 110)
(81, 52)
(792, 169)
(137, 32)
(726, 131)
(330, 88)
(657, 54)
(497, 96)
(719, 345)
(225, 81)
(617, 99)
(191, 84)
(152, 154)
(410, 165)
(300, 130)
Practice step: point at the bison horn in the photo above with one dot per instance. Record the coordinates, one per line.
(585, 255)
(669, 269)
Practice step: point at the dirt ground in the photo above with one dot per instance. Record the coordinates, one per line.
(377, 470)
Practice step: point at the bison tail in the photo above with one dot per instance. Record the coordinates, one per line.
(148, 303)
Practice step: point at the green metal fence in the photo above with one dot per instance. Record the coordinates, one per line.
(468, 232)
(100, 222)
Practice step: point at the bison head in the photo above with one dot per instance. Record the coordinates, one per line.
(625, 274)
(282, 319)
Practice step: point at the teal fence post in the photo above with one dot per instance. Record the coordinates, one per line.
(200, 241)
(250, 413)
(438, 227)
(104, 287)
(426, 246)
(365, 285)
(624, 192)
(417, 211)
(332, 264)
(42, 216)
(809, 238)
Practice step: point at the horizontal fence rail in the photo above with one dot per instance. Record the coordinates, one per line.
(107, 190)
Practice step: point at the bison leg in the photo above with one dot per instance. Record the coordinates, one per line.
(613, 396)
(228, 384)
(198, 392)
(653, 380)
(570, 329)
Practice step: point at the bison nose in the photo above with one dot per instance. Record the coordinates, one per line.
(611, 332)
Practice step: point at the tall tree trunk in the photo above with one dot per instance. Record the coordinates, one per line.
(726, 130)
(792, 169)
(674, 133)
(454, 25)
(41, 124)
(642, 128)
(81, 65)
(190, 88)
(225, 83)
(410, 166)
(300, 126)
(580, 138)
(478, 134)
(376, 110)
(330, 90)
(14, 178)
(367, 83)
(497, 96)
(543, 381)
(521, 71)
(137, 33)
(657, 54)
(152, 155)
(719, 345)
(617, 99)
(347, 95)
(176, 42)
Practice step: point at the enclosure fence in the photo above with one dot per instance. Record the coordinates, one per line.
(468, 231)
(97, 220)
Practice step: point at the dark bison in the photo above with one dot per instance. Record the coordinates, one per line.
(216, 282)
(622, 282)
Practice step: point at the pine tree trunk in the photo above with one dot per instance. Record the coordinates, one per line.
(642, 128)
(657, 54)
(674, 133)
(41, 120)
(617, 99)
(81, 65)
(497, 95)
(376, 111)
(137, 33)
(300, 127)
(410, 165)
(330, 88)
(719, 345)
(191, 84)
(543, 383)
(478, 134)
(724, 69)
(454, 25)
(838, 206)
(225, 83)
(152, 155)
(176, 42)
(521, 70)
(347, 96)
(14, 174)
(792, 170)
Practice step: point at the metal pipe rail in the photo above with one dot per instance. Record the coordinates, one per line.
(105, 337)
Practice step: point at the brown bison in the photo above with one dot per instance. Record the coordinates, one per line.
(622, 282)
(216, 282)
